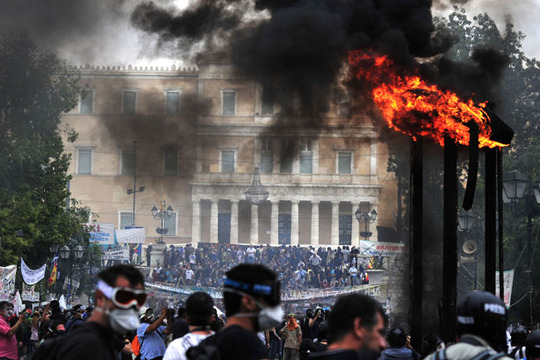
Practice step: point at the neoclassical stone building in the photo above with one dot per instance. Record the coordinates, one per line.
(193, 137)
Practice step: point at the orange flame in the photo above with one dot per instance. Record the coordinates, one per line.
(411, 106)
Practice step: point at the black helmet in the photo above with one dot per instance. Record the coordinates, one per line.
(519, 336)
(532, 345)
(396, 337)
(483, 314)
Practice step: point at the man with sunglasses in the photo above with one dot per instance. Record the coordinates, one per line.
(251, 297)
(119, 296)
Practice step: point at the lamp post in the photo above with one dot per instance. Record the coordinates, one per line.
(366, 217)
(77, 254)
(134, 191)
(466, 220)
(256, 192)
(515, 185)
(162, 214)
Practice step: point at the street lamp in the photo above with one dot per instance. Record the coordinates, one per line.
(466, 219)
(515, 185)
(65, 252)
(162, 214)
(256, 193)
(367, 218)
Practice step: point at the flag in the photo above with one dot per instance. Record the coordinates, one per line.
(54, 271)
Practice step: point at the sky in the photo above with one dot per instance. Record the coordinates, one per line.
(100, 33)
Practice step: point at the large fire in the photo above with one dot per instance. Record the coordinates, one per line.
(411, 106)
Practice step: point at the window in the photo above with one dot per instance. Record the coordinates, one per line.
(129, 101)
(267, 156)
(227, 161)
(344, 162)
(170, 225)
(268, 98)
(170, 161)
(172, 103)
(286, 156)
(128, 162)
(229, 102)
(306, 156)
(85, 161)
(126, 219)
(87, 102)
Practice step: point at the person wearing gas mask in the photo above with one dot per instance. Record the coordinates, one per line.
(119, 296)
(251, 296)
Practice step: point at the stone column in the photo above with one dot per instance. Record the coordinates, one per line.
(335, 223)
(355, 230)
(234, 221)
(254, 231)
(196, 222)
(294, 222)
(213, 221)
(274, 224)
(315, 223)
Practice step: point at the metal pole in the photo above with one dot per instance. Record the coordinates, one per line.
(417, 239)
(491, 209)
(500, 225)
(134, 182)
(449, 241)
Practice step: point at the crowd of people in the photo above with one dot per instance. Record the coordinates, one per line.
(254, 326)
(297, 267)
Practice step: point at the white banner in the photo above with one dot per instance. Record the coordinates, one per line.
(508, 283)
(29, 293)
(116, 254)
(32, 276)
(7, 279)
(131, 236)
(375, 248)
(102, 234)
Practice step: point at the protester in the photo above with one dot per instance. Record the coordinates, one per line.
(180, 325)
(532, 345)
(251, 298)
(518, 340)
(119, 295)
(431, 344)
(8, 340)
(480, 327)
(356, 322)
(151, 333)
(274, 340)
(292, 338)
(397, 346)
(199, 314)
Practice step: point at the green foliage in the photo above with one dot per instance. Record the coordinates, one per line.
(35, 89)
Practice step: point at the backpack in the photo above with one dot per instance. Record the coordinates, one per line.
(203, 352)
(484, 355)
(136, 346)
(48, 350)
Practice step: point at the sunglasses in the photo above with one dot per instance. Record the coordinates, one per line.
(122, 297)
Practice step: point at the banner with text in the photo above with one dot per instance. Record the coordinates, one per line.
(29, 293)
(116, 254)
(101, 234)
(131, 236)
(7, 280)
(375, 248)
(508, 283)
(30, 276)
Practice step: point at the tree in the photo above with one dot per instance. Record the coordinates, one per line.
(35, 89)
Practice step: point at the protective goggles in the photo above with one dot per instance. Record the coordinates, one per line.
(122, 297)
(269, 292)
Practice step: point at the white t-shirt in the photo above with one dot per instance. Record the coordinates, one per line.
(177, 348)
(189, 274)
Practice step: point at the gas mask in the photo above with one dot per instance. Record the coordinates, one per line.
(269, 316)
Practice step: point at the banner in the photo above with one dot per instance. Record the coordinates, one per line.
(18, 305)
(131, 236)
(7, 280)
(376, 248)
(116, 254)
(101, 234)
(32, 276)
(29, 293)
(54, 271)
(508, 283)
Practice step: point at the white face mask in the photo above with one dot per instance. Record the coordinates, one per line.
(123, 320)
(269, 316)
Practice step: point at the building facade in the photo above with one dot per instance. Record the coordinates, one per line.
(192, 138)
